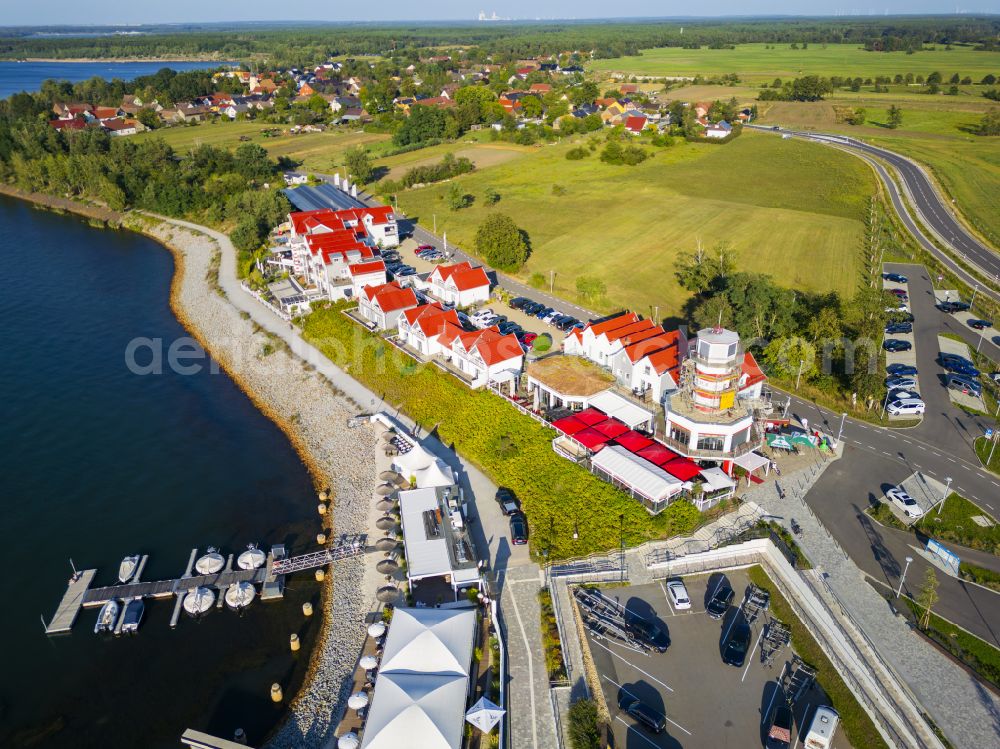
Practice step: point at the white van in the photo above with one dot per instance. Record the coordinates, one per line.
(822, 729)
(906, 406)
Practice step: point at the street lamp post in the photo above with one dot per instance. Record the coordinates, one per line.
(973, 302)
(947, 491)
(798, 377)
(843, 418)
(903, 577)
(621, 530)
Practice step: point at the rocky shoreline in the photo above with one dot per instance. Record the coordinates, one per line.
(313, 414)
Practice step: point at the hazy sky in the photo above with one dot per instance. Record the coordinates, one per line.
(43, 12)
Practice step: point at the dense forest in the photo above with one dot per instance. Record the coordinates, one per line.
(306, 45)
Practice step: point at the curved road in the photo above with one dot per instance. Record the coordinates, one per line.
(931, 207)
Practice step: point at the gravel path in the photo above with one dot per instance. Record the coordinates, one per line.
(314, 413)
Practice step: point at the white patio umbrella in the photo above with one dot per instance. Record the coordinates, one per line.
(348, 741)
(357, 700)
(484, 715)
(376, 629)
(368, 662)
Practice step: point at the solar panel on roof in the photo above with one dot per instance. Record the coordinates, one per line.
(310, 198)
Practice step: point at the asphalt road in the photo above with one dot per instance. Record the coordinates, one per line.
(839, 499)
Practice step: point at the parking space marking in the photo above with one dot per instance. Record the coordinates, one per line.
(638, 733)
(673, 723)
(767, 713)
(667, 596)
(751, 654)
(626, 660)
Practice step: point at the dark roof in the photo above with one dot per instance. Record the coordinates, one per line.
(308, 198)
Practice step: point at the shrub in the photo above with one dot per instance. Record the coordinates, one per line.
(575, 154)
(584, 728)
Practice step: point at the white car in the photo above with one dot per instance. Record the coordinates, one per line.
(910, 407)
(678, 595)
(898, 496)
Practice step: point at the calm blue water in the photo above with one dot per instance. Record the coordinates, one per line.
(28, 76)
(99, 463)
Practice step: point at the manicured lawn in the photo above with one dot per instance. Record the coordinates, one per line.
(754, 62)
(482, 154)
(318, 152)
(955, 524)
(983, 449)
(789, 208)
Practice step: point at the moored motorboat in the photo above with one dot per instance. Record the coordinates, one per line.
(127, 568)
(199, 600)
(134, 610)
(210, 563)
(107, 617)
(251, 559)
(240, 595)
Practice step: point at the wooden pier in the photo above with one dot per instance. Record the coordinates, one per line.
(270, 578)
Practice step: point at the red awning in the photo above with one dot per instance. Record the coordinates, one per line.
(633, 441)
(657, 454)
(591, 416)
(682, 468)
(591, 439)
(611, 428)
(569, 425)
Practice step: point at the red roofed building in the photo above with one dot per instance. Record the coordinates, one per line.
(591, 342)
(649, 365)
(421, 328)
(383, 305)
(540, 88)
(460, 284)
(635, 125)
(366, 273)
(440, 102)
(105, 113)
(74, 124)
(482, 356)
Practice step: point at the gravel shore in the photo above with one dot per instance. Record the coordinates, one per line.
(313, 413)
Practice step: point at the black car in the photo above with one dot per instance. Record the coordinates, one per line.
(648, 633)
(779, 735)
(980, 324)
(508, 501)
(945, 358)
(962, 369)
(509, 327)
(567, 323)
(647, 717)
(901, 370)
(953, 307)
(719, 604)
(532, 308)
(895, 277)
(896, 345)
(894, 328)
(737, 646)
(518, 302)
(518, 529)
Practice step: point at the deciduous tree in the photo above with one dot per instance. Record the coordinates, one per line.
(501, 242)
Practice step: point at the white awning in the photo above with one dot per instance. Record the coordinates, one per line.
(751, 461)
(436, 474)
(645, 478)
(621, 408)
(716, 479)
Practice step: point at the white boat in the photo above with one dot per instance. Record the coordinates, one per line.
(199, 600)
(251, 559)
(134, 610)
(127, 568)
(210, 563)
(107, 618)
(240, 595)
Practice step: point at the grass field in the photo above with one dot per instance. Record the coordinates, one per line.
(482, 154)
(754, 62)
(790, 209)
(317, 152)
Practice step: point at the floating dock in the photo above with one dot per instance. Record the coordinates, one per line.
(270, 578)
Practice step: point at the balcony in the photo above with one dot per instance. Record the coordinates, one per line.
(698, 454)
(684, 408)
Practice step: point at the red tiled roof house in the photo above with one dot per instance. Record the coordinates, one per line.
(460, 284)
(383, 305)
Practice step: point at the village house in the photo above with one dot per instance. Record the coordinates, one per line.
(721, 129)
(383, 304)
(118, 126)
(482, 356)
(421, 328)
(461, 284)
(635, 124)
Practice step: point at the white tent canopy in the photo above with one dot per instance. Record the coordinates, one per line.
(423, 465)
(751, 461)
(436, 474)
(420, 694)
(717, 479)
(484, 715)
(645, 478)
(621, 408)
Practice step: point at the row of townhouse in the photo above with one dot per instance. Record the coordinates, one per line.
(458, 285)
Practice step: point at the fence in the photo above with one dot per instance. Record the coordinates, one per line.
(502, 639)
(260, 298)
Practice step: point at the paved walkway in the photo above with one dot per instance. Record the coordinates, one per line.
(967, 712)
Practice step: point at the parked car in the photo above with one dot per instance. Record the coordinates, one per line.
(953, 307)
(965, 385)
(944, 357)
(906, 408)
(895, 277)
(568, 324)
(550, 318)
(424, 248)
(894, 328)
(720, 602)
(895, 345)
(900, 382)
(961, 368)
(508, 501)
(735, 652)
(900, 293)
(678, 594)
(904, 395)
(980, 324)
(898, 308)
(901, 370)
(518, 302)
(822, 729)
(528, 338)
(649, 633)
(509, 326)
(543, 313)
(518, 529)
(646, 716)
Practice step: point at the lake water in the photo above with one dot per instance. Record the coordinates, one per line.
(99, 463)
(28, 76)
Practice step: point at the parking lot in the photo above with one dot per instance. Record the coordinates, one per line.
(908, 358)
(706, 702)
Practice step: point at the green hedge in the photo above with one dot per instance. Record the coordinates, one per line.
(514, 450)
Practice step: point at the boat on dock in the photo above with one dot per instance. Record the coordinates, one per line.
(132, 617)
(199, 600)
(126, 570)
(107, 618)
(210, 563)
(251, 559)
(240, 595)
